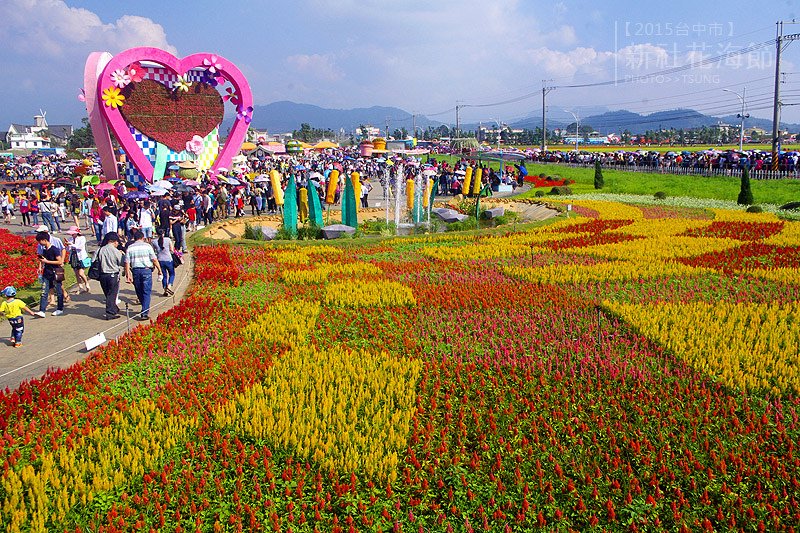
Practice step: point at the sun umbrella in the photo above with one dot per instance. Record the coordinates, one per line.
(173, 167)
(162, 184)
(181, 188)
(322, 145)
(261, 179)
(191, 183)
(105, 186)
(136, 195)
(231, 181)
(429, 172)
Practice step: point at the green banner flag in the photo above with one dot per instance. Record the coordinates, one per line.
(290, 207)
(349, 207)
(314, 206)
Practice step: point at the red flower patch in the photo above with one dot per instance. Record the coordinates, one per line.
(742, 231)
(17, 260)
(651, 212)
(589, 240)
(594, 226)
(748, 256)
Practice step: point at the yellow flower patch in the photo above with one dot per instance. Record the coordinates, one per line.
(496, 250)
(322, 271)
(659, 227)
(789, 235)
(607, 210)
(301, 255)
(369, 294)
(135, 442)
(744, 345)
(292, 257)
(729, 215)
(347, 411)
(790, 276)
(611, 271)
(666, 247)
(286, 322)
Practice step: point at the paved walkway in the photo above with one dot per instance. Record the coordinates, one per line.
(58, 341)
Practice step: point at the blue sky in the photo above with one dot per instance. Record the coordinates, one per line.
(421, 56)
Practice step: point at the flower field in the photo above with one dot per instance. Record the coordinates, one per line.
(632, 368)
(17, 260)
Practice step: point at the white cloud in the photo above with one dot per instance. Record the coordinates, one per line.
(320, 66)
(643, 57)
(568, 63)
(52, 29)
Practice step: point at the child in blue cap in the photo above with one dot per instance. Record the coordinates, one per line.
(12, 308)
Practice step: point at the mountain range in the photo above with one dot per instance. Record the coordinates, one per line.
(285, 116)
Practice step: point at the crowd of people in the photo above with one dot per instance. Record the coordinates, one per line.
(670, 161)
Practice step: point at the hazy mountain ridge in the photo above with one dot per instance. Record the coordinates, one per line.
(285, 116)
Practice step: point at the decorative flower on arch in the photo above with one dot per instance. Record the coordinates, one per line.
(212, 64)
(196, 145)
(136, 72)
(113, 98)
(182, 84)
(120, 78)
(244, 113)
(231, 97)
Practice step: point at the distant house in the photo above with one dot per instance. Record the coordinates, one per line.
(39, 135)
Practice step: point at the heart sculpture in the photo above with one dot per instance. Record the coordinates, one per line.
(195, 116)
(172, 117)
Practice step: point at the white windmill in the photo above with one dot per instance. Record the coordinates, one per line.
(40, 120)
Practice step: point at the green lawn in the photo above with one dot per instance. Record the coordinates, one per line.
(776, 192)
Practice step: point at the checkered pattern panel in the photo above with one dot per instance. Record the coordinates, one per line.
(145, 143)
(167, 77)
(132, 175)
(210, 151)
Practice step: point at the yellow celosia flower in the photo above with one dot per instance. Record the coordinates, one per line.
(345, 410)
(744, 345)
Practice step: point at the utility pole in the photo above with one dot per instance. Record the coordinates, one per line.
(776, 104)
(387, 128)
(414, 126)
(545, 90)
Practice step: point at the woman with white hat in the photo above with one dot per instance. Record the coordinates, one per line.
(79, 258)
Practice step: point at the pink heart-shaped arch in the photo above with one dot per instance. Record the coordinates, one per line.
(179, 66)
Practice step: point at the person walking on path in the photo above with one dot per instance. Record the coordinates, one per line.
(164, 250)
(79, 258)
(112, 261)
(51, 259)
(12, 308)
(110, 223)
(140, 261)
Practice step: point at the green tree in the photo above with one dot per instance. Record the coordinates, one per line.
(82, 137)
(598, 175)
(745, 194)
